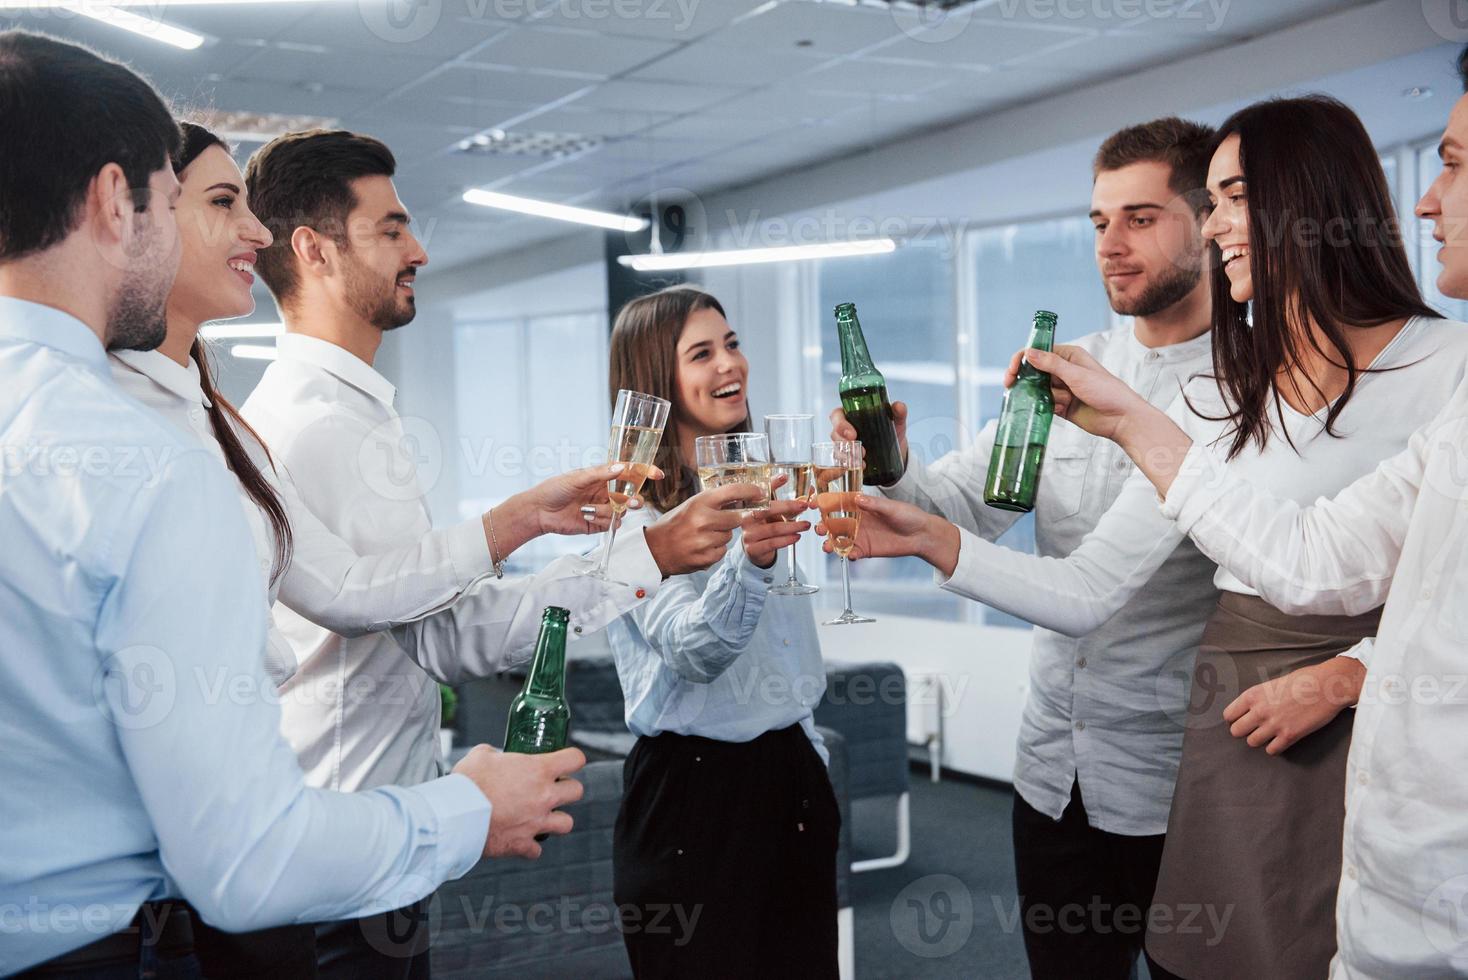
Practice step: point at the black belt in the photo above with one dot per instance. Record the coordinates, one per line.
(165, 928)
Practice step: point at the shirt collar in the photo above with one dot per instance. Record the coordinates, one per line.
(36, 323)
(166, 373)
(337, 361)
(1182, 351)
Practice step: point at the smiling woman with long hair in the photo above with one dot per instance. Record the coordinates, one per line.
(728, 813)
(1326, 360)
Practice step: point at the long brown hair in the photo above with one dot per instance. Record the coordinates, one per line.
(223, 418)
(644, 357)
(1325, 248)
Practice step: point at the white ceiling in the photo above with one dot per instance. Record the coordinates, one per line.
(695, 94)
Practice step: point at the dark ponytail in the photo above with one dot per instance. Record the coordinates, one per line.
(223, 417)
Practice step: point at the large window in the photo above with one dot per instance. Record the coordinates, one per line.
(531, 398)
(928, 309)
(1018, 269)
(905, 301)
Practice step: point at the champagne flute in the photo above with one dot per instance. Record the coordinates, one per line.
(637, 429)
(837, 476)
(790, 441)
(735, 457)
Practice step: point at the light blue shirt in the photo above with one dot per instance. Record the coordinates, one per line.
(142, 757)
(710, 655)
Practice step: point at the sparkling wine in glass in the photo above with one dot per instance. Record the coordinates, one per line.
(790, 445)
(837, 469)
(637, 429)
(736, 457)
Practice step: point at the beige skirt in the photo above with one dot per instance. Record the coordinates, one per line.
(1248, 879)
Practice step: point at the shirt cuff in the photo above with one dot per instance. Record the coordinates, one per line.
(955, 583)
(634, 564)
(469, 551)
(1200, 482)
(463, 822)
(1361, 651)
(756, 580)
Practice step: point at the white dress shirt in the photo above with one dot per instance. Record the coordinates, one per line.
(326, 581)
(143, 758)
(363, 710)
(1105, 705)
(714, 655)
(1399, 534)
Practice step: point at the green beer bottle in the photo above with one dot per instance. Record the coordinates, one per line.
(1024, 428)
(864, 400)
(539, 716)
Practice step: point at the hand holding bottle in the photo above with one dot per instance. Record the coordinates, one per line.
(843, 431)
(1102, 404)
(526, 793)
(1085, 393)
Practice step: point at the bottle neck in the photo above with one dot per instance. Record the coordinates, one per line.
(1042, 337)
(548, 669)
(856, 361)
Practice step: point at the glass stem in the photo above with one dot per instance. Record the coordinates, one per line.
(793, 581)
(606, 554)
(846, 583)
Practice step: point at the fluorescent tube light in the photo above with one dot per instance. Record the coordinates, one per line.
(128, 21)
(254, 352)
(561, 212)
(751, 256)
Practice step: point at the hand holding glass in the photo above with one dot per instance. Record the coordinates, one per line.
(837, 477)
(790, 446)
(637, 429)
(735, 457)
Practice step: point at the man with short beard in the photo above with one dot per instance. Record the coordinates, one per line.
(363, 711)
(132, 795)
(1102, 730)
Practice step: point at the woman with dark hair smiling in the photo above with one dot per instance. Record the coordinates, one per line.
(1326, 360)
(728, 813)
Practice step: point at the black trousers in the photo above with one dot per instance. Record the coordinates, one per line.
(724, 859)
(1084, 893)
(388, 946)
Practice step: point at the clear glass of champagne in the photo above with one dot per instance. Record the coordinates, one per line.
(790, 441)
(637, 429)
(836, 478)
(735, 457)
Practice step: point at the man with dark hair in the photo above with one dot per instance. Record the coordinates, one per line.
(127, 578)
(364, 711)
(1102, 730)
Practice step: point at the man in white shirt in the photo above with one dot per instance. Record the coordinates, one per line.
(364, 711)
(1102, 730)
(1399, 534)
(127, 577)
